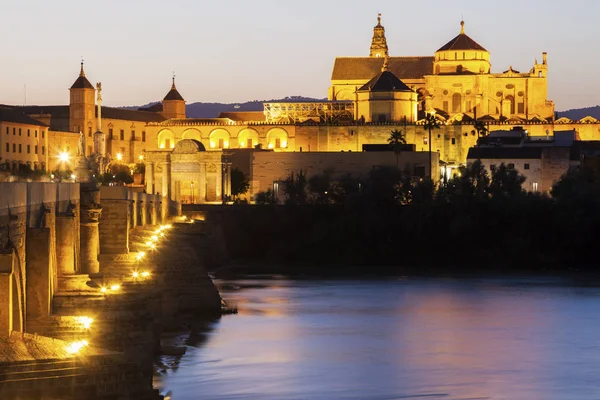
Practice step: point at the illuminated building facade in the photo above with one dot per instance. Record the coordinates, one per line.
(457, 80)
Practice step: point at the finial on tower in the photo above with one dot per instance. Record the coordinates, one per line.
(173, 86)
(379, 19)
(462, 27)
(81, 73)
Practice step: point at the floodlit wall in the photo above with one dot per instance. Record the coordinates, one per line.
(28, 235)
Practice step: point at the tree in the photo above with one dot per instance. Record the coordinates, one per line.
(266, 197)
(506, 183)
(396, 138)
(294, 187)
(384, 186)
(471, 183)
(240, 184)
(577, 186)
(422, 192)
(119, 174)
(345, 190)
(319, 187)
(431, 122)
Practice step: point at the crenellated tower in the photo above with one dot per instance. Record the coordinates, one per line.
(379, 46)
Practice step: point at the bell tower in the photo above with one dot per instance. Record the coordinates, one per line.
(81, 105)
(379, 46)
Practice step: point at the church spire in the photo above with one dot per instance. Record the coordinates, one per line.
(379, 46)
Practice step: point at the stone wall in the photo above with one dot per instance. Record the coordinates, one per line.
(266, 168)
(555, 163)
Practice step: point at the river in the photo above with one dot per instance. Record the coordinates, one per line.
(451, 339)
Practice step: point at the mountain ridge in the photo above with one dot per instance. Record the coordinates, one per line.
(212, 110)
(576, 114)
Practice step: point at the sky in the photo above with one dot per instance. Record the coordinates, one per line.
(241, 50)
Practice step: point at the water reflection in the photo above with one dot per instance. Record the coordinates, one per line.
(346, 340)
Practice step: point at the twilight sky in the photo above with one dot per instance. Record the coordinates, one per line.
(240, 50)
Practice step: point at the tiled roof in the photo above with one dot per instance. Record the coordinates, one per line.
(130, 115)
(243, 116)
(11, 114)
(82, 83)
(59, 115)
(173, 95)
(462, 42)
(361, 68)
(385, 81)
(55, 111)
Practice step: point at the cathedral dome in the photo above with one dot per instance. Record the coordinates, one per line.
(462, 55)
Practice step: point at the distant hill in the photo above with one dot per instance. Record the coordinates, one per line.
(212, 110)
(578, 113)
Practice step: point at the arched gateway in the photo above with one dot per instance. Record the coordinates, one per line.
(189, 174)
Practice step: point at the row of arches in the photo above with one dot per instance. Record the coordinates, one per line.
(220, 138)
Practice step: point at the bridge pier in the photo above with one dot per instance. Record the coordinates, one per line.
(39, 274)
(90, 239)
(6, 294)
(65, 243)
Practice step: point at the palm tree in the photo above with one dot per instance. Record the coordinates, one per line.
(431, 122)
(396, 137)
(396, 140)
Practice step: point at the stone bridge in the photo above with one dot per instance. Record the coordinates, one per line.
(73, 255)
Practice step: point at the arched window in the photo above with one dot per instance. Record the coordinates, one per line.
(456, 102)
(219, 139)
(277, 138)
(166, 139)
(247, 138)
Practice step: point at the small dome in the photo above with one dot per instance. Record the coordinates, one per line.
(385, 81)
